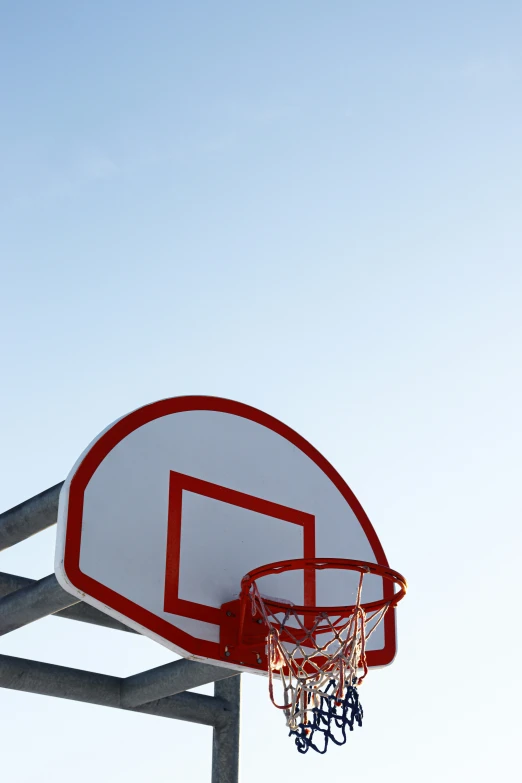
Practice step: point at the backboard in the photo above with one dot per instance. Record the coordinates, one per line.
(174, 503)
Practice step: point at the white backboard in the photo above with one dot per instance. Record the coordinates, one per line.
(173, 504)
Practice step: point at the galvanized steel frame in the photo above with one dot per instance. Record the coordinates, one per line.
(163, 691)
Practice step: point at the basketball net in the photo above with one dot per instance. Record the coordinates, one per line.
(320, 660)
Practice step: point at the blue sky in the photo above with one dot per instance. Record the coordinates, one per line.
(314, 209)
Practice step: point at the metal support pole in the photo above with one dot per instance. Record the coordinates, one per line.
(225, 746)
(29, 517)
(84, 613)
(32, 603)
(63, 682)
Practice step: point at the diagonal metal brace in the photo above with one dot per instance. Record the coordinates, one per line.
(170, 679)
(32, 603)
(84, 613)
(30, 517)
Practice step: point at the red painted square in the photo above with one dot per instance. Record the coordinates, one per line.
(179, 483)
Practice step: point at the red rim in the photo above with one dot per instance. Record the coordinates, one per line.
(319, 564)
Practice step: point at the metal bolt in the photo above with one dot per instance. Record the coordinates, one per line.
(227, 654)
(229, 614)
(259, 622)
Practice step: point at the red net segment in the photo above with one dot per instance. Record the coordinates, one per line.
(318, 654)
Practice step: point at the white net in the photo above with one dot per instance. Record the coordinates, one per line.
(315, 663)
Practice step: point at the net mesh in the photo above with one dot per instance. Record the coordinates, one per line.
(315, 663)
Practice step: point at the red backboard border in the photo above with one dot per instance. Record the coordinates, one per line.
(147, 620)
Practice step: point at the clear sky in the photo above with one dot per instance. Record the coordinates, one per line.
(314, 208)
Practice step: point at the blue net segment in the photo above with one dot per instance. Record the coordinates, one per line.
(330, 719)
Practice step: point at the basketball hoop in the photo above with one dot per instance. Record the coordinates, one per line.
(318, 652)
